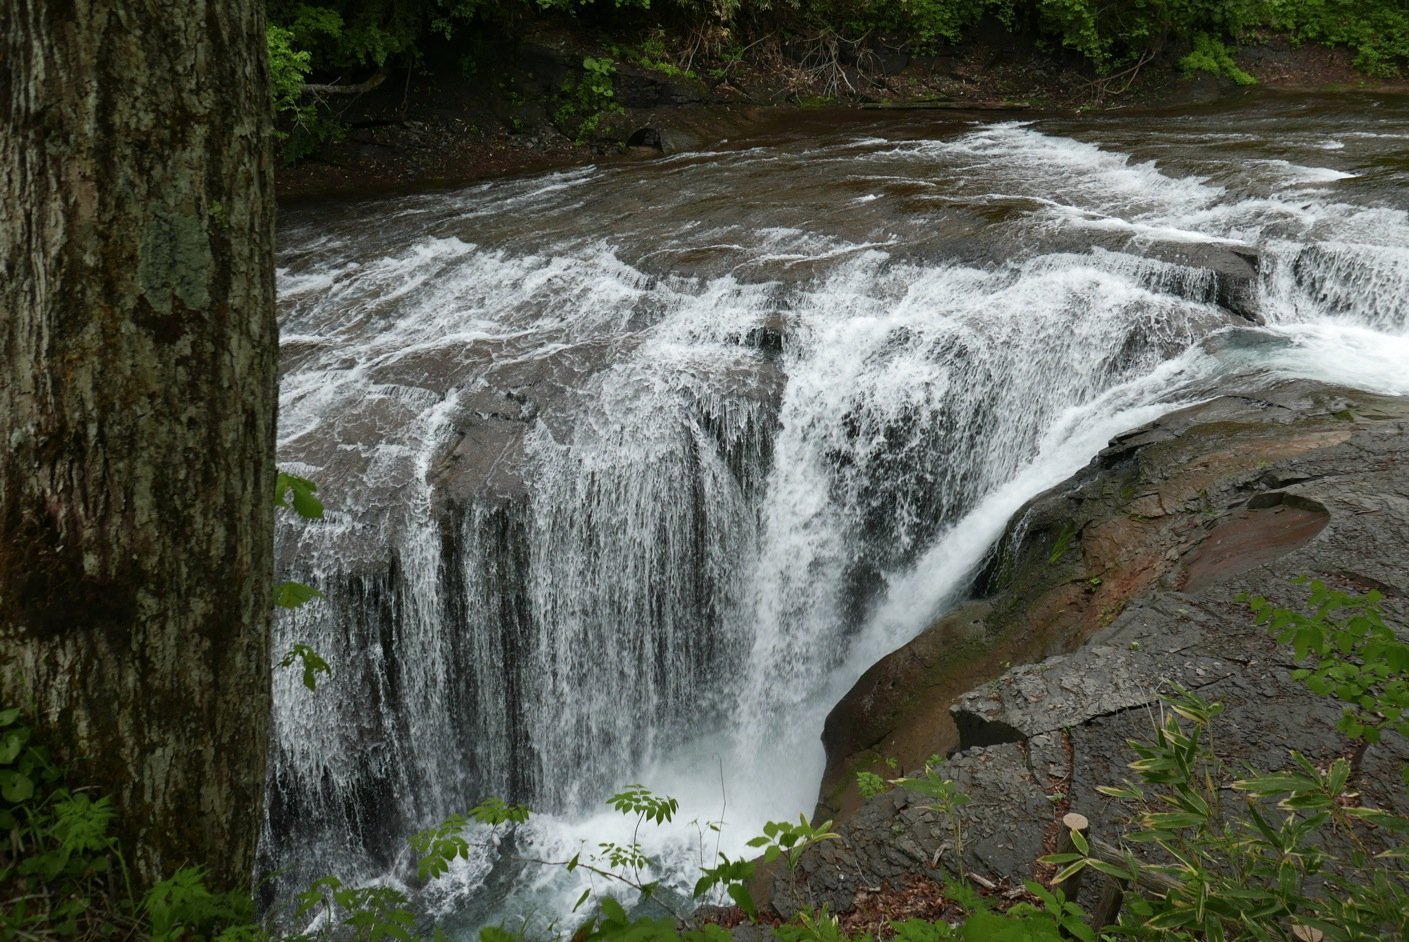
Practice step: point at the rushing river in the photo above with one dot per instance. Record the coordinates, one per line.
(633, 469)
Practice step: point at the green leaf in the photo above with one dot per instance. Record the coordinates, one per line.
(1077, 929)
(290, 490)
(1127, 792)
(294, 594)
(612, 910)
(10, 747)
(15, 786)
(743, 899)
(313, 664)
(1110, 869)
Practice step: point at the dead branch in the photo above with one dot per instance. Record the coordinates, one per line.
(361, 88)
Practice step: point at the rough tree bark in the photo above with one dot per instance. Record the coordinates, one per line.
(137, 400)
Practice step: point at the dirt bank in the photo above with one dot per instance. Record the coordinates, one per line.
(443, 129)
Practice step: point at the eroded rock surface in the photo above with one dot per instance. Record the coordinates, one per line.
(1107, 591)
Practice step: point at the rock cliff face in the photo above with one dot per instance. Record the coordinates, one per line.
(1126, 579)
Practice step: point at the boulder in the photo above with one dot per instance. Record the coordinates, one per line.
(1213, 273)
(664, 139)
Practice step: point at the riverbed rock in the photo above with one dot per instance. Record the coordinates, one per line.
(1228, 274)
(664, 140)
(1106, 593)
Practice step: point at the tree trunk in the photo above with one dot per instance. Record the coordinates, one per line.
(137, 401)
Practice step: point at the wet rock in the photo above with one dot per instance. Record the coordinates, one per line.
(1106, 592)
(1226, 275)
(900, 835)
(644, 88)
(1269, 525)
(665, 140)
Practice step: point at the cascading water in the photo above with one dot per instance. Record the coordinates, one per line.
(632, 471)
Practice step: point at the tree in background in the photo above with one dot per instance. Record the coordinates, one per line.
(137, 403)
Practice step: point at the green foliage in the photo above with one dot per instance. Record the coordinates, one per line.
(946, 798)
(820, 926)
(869, 784)
(639, 800)
(300, 126)
(436, 846)
(1110, 35)
(288, 67)
(296, 493)
(734, 876)
(61, 874)
(1260, 868)
(495, 811)
(342, 34)
(924, 24)
(1211, 56)
(783, 837)
(294, 594)
(310, 662)
(586, 100)
(624, 857)
(292, 491)
(57, 863)
(1377, 30)
(364, 913)
(181, 908)
(654, 54)
(1356, 658)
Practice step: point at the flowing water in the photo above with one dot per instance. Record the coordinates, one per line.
(632, 470)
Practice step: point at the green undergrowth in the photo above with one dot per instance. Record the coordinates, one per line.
(1208, 850)
(347, 42)
(1212, 56)
(62, 875)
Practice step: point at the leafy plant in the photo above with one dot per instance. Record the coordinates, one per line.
(946, 798)
(1356, 658)
(181, 907)
(782, 837)
(57, 863)
(1258, 869)
(311, 663)
(588, 99)
(1211, 56)
(436, 846)
(1376, 30)
(299, 495)
(62, 875)
(869, 784)
(369, 913)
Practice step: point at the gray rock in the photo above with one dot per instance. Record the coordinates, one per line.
(666, 140)
(1136, 571)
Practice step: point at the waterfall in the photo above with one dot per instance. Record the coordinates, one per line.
(630, 476)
